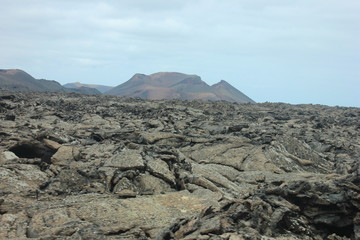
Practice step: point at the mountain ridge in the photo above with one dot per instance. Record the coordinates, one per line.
(229, 92)
(160, 85)
(175, 85)
(19, 80)
(77, 85)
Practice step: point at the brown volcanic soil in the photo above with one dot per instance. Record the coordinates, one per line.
(173, 85)
(103, 167)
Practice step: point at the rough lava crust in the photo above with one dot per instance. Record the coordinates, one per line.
(103, 167)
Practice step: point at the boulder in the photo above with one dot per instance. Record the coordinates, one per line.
(64, 155)
(126, 159)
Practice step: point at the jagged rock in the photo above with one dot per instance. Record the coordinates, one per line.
(152, 185)
(103, 167)
(21, 179)
(52, 144)
(64, 155)
(160, 169)
(109, 215)
(308, 209)
(8, 156)
(14, 225)
(127, 159)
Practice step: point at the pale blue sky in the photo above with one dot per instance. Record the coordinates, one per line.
(298, 51)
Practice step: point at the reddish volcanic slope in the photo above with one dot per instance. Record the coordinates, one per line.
(173, 85)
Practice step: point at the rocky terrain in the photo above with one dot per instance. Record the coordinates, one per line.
(103, 167)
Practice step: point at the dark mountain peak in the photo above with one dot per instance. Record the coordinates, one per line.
(222, 83)
(17, 72)
(228, 92)
(19, 80)
(139, 75)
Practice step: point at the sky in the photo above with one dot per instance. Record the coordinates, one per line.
(298, 51)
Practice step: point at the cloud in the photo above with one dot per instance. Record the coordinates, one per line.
(249, 41)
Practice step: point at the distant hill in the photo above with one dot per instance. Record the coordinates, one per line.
(19, 80)
(100, 88)
(162, 85)
(83, 90)
(229, 93)
(173, 85)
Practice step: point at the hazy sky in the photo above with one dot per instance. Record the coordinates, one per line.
(298, 51)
